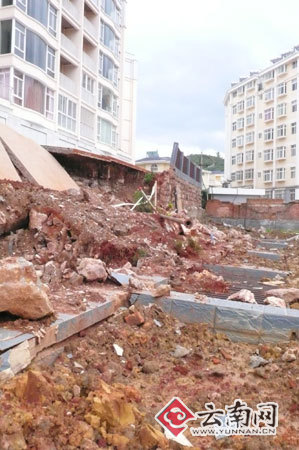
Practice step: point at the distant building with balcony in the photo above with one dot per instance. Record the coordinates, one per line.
(262, 141)
(154, 163)
(65, 79)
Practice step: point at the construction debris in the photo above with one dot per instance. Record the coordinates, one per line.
(21, 292)
(244, 295)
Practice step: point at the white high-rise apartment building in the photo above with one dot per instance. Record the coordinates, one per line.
(65, 80)
(262, 129)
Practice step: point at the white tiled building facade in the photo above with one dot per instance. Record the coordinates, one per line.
(262, 129)
(64, 77)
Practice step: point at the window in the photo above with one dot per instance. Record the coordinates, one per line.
(268, 176)
(250, 119)
(249, 173)
(250, 85)
(19, 40)
(106, 132)
(233, 176)
(281, 131)
(281, 152)
(260, 135)
(269, 114)
(240, 141)
(88, 83)
(34, 95)
(269, 75)
(250, 102)
(250, 137)
(294, 127)
(154, 168)
(268, 154)
(107, 100)
(233, 160)
(239, 175)
(36, 50)
(67, 112)
(18, 87)
(279, 194)
(294, 84)
(292, 193)
(269, 134)
(281, 109)
(241, 90)
(52, 20)
(22, 4)
(234, 126)
(259, 154)
(294, 64)
(280, 173)
(294, 106)
(250, 156)
(38, 9)
(50, 104)
(51, 62)
(234, 109)
(109, 39)
(293, 150)
(282, 69)
(234, 143)
(268, 194)
(240, 124)
(87, 119)
(269, 95)
(239, 158)
(108, 69)
(5, 36)
(293, 172)
(241, 106)
(110, 8)
(234, 94)
(4, 84)
(281, 88)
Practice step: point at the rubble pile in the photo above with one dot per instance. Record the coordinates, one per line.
(96, 396)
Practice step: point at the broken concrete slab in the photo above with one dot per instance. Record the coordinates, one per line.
(7, 169)
(266, 255)
(124, 279)
(241, 322)
(241, 273)
(20, 356)
(272, 244)
(34, 162)
(11, 338)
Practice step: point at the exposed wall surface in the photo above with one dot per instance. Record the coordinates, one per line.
(175, 190)
(255, 209)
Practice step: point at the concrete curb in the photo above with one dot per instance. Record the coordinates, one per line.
(266, 255)
(250, 274)
(241, 322)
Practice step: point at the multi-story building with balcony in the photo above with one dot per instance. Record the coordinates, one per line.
(65, 79)
(262, 139)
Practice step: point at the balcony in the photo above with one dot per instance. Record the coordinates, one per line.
(71, 9)
(89, 98)
(69, 46)
(67, 83)
(90, 28)
(90, 63)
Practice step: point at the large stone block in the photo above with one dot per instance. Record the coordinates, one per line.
(21, 292)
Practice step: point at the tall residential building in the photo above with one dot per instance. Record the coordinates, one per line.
(262, 140)
(65, 79)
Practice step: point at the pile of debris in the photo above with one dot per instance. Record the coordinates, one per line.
(108, 384)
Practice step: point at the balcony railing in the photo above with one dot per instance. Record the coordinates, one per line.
(89, 62)
(67, 83)
(90, 28)
(71, 8)
(89, 98)
(69, 46)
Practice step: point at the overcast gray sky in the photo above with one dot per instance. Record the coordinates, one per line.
(188, 52)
